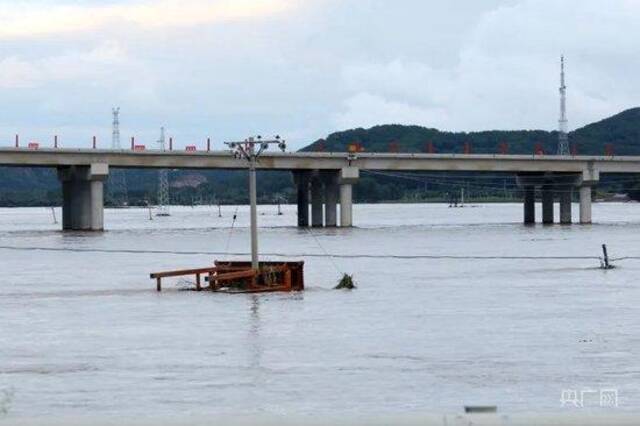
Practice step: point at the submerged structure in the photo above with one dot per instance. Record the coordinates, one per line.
(240, 277)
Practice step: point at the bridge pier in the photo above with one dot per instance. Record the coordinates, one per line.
(346, 205)
(566, 199)
(316, 202)
(585, 204)
(590, 178)
(83, 197)
(301, 180)
(324, 186)
(565, 184)
(330, 199)
(348, 177)
(529, 205)
(547, 205)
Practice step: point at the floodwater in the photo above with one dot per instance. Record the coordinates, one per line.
(83, 332)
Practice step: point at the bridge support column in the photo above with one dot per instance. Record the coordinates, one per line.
(331, 199)
(316, 202)
(529, 205)
(346, 205)
(590, 178)
(585, 205)
(348, 177)
(566, 198)
(83, 197)
(547, 205)
(301, 180)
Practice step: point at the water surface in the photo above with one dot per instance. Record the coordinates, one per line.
(82, 330)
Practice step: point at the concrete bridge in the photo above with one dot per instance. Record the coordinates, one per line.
(323, 178)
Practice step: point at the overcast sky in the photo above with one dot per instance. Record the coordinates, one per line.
(305, 68)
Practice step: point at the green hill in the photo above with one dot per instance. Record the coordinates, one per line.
(621, 130)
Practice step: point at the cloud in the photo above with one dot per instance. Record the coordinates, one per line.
(506, 73)
(34, 19)
(18, 74)
(367, 110)
(95, 65)
(305, 68)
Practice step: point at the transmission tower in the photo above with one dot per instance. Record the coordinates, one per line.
(563, 138)
(163, 182)
(117, 184)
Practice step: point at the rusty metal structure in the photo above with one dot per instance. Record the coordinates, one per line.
(240, 277)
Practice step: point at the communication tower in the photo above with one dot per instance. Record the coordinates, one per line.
(563, 141)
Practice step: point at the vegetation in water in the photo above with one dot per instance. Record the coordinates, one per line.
(346, 283)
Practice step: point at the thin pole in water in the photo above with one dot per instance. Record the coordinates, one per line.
(253, 198)
(606, 264)
(53, 212)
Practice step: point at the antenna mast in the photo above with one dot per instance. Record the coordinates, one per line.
(117, 184)
(563, 138)
(163, 182)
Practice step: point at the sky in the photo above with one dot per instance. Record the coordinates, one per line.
(229, 69)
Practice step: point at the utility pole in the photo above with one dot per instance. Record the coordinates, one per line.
(249, 150)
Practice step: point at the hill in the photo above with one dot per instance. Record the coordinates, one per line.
(622, 131)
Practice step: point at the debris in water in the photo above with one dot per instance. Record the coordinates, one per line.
(346, 283)
(604, 262)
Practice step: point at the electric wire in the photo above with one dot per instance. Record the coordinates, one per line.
(330, 256)
(505, 185)
(460, 179)
(311, 255)
(233, 224)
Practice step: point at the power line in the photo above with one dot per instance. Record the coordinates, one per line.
(312, 255)
(499, 186)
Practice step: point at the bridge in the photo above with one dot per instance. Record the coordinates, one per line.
(324, 178)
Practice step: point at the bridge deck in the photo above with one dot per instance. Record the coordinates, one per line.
(22, 157)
